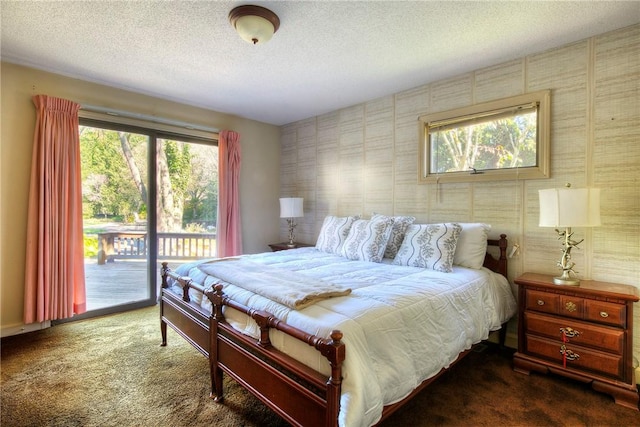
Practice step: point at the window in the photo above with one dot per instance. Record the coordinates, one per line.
(503, 139)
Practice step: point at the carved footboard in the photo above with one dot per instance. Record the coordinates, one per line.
(296, 392)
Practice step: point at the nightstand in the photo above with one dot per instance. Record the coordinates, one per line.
(275, 247)
(582, 332)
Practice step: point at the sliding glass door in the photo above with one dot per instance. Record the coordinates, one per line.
(148, 197)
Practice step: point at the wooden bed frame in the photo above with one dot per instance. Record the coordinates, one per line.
(299, 394)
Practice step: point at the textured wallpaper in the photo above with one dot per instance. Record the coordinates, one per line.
(364, 159)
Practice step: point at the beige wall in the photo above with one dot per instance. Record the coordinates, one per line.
(259, 181)
(363, 158)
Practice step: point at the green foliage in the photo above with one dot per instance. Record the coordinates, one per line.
(90, 246)
(110, 191)
(178, 161)
(107, 186)
(503, 143)
(201, 198)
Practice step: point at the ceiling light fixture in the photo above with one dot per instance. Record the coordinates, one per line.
(255, 24)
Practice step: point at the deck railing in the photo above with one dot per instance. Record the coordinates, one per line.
(134, 245)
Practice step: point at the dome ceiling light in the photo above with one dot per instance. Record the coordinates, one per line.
(255, 24)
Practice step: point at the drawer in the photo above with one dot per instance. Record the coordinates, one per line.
(595, 361)
(542, 301)
(602, 312)
(607, 313)
(588, 335)
(571, 306)
(564, 305)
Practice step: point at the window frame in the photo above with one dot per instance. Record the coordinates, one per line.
(465, 114)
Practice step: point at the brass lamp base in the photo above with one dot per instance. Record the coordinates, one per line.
(292, 226)
(570, 281)
(568, 277)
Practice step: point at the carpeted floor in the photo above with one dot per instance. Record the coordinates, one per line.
(111, 371)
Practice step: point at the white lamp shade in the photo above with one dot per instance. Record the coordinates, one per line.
(254, 29)
(291, 207)
(569, 207)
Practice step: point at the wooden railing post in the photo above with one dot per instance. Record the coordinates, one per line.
(105, 247)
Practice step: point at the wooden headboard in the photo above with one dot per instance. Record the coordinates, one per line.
(499, 265)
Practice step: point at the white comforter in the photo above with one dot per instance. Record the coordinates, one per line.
(401, 325)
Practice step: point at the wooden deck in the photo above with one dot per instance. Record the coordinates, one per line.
(115, 283)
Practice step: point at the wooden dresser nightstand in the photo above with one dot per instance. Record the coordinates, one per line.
(582, 332)
(275, 247)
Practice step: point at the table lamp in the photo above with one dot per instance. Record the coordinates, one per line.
(565, 208)
(290, 208)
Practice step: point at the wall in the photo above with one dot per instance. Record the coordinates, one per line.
(363, 158)
(259, 186)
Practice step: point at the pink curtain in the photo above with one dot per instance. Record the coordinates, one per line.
(229, 232)
(54, 274)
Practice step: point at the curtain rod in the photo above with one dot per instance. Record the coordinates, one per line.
(147, 118)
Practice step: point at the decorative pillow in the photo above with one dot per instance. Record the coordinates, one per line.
(400, 224)
(472, 245)
(333, 233)
(429, 246)
(367, 239)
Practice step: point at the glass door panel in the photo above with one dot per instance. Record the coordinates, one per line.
(187, 200)
(115, 199)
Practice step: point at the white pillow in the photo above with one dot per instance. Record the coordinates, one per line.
(333, 233)
(472, 245)
(367, 239)
(429, 246)
(400, 224)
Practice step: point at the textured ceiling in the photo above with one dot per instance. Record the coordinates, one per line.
(325, 56)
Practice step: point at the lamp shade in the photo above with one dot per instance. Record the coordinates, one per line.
(291, 207)
(569, 207)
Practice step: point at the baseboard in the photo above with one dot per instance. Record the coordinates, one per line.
(8, 331)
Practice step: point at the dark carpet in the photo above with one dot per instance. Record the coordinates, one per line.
(111, 371)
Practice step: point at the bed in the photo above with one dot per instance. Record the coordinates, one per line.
(380, 333)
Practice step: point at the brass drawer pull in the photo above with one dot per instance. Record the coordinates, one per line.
(540, 302)
(569, 332)
(571, 307)
(604, 314)
(568, 354)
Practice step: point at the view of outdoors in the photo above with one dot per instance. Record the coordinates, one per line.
(493, 144)
(116, 193)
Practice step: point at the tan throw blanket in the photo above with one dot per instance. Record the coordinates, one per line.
(288, 288)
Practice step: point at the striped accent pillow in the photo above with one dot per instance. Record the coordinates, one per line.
(430, 246)
(333, 233)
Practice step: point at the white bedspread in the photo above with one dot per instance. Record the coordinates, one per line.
(292, 289)
(401, 325)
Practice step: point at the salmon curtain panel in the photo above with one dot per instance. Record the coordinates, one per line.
(229, 231)
(54, 276)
